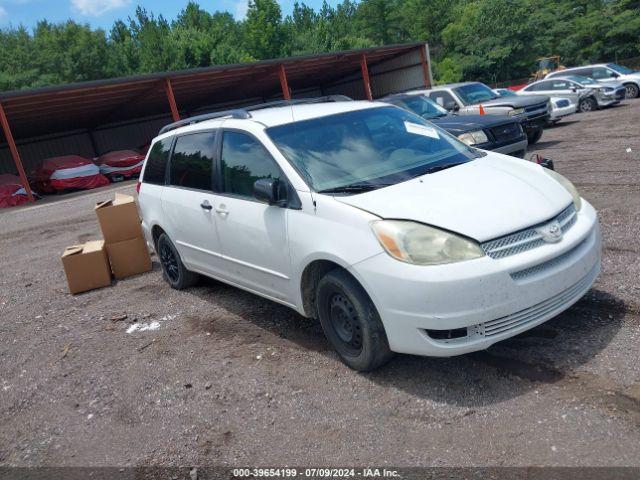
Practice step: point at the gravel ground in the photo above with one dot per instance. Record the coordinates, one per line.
(232, 379)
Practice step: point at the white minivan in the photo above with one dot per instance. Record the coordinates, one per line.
(390, 231)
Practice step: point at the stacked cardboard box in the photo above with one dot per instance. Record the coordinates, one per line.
(123, 250)
(120, 225)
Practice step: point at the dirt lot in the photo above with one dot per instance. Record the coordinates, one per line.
(231, 379)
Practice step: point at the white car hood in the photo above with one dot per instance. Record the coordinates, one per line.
(482, 199)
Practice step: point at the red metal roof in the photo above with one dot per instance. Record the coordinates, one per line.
(91, 104)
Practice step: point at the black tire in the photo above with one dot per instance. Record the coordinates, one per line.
(534, 135)
(587, 105)
(631, 90)
(351, 322)
(173, 270)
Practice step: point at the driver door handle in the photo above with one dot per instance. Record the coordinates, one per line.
(206, 206)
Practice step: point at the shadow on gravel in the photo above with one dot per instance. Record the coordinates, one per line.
(256, 315)
(546, 354)
(543, 145)
(562, 123)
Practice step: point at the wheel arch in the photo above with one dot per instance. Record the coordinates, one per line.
(311, 275)
(156, 231)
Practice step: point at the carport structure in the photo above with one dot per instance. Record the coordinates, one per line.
(91, 118)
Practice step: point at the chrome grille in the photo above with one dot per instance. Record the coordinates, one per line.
(541, 267)
(527, 239)
(504, 133)
(533, 108)
(536, 312)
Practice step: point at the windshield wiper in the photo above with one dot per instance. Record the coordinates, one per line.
(355, 188)
(438, 168)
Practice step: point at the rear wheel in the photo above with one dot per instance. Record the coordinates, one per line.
(587, 105)
(351, 322)
(173, 270)
(534, 135)
(631, 90)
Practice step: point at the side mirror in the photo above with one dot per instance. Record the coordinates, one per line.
(451, 106)
(615, 75)
(574, 89)
(271, 191)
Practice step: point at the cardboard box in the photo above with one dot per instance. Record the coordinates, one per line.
(129, 257)
(119, 219)
(86, 266)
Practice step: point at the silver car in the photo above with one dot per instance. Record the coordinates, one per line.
(604, 73)
(585, 92)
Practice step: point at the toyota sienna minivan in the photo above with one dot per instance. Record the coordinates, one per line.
(391, 232)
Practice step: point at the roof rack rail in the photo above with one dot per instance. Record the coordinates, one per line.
(236, 113)
(243, 112)
(298, 101)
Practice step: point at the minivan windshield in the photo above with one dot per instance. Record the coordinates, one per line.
(474, 93)
(361, 150)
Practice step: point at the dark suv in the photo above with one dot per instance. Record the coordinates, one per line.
(499, 133)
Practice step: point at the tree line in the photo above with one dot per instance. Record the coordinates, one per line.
(489, 40)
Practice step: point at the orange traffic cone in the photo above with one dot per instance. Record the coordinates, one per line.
(482, 110)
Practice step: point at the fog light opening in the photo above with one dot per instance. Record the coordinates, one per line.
(447, 334)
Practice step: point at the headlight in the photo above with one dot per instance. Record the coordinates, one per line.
(420, 244)
(516, 111)
(577, 201)
(605, 89)
(473, 138)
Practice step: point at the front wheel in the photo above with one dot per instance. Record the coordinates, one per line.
(631, 90)
(173, 270)
(587, 105)
(351, 322)
(534, 135)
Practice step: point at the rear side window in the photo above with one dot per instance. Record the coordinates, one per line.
(154, 171)
(600, 73)
(244, 160)
(441, 98)
(192, 161)
(584, 72)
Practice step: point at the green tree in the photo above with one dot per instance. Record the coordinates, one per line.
(264, 33)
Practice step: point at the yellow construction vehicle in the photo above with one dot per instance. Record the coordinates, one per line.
(547, 65)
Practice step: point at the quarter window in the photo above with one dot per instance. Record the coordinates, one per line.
(192, 161)
(244, 160)
(154, 171)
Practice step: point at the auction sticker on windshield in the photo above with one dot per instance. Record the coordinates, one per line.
(421, 130)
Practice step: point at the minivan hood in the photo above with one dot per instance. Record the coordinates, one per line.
(482, 199)
(515, 101)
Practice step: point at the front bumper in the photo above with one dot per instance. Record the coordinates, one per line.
(606, 99)
(535, 122)
(519, 147)
(559, 112)
(483, 296)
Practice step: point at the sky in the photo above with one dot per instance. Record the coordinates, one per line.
(102, 13)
